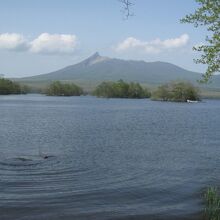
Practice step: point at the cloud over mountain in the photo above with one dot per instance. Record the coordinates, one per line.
(54, 43)
(155, 46)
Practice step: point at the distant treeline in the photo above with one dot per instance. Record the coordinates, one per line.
(180, 91)
(121, 89)
(176, 91)
(63, 89)
(8, 87)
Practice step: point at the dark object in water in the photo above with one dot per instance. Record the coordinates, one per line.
(44, 156)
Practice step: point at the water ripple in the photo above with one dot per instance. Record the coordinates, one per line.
(115, 159)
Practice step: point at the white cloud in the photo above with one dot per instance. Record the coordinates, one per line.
(54, 43)
(45, 43)
(13, 41)
(154, 46)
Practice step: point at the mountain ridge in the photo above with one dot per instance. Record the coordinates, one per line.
(98, 68)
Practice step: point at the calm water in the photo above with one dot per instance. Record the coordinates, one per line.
(108, 158)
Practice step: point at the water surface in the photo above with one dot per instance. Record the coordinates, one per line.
(108, 158)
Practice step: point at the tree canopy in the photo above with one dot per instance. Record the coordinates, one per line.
(208, 15)
(9, 87)
(57, 88)
(176, 91)
(121, 89)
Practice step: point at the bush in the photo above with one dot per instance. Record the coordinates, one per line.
(63, 89)
(121, 89)
(176, 91)
(9, 87)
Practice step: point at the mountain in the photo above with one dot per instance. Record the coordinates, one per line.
(97, 68)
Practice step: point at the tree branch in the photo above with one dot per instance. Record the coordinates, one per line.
(127, 8)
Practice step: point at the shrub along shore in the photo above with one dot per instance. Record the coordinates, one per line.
(8, 87)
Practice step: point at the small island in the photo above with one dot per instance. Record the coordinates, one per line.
(121, 89)
(8, 87)
(176, 92)
(57, 88)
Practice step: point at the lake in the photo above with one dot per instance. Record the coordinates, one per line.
(107, 158)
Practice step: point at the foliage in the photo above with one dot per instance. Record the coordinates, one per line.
(176, 91)
(121, 89)
(9, 87)
(212, 204)
(208, 14)
(63, 89)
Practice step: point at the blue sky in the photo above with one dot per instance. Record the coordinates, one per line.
(45, 35)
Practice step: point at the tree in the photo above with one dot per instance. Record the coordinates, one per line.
(176, 91)
(162, 93)
(126, 8)
(208, 15)
(135, 90)
(9, 87)
(121, 89)
(57, 88)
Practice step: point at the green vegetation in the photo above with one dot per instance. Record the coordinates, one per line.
(210, 91)
(121, 89)
(63, 89)
(212, 204)
(176, 91)
(9, 87)
(208, 15)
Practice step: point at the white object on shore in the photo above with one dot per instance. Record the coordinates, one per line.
(191, 101)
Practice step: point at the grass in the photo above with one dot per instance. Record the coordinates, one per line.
(212, 204)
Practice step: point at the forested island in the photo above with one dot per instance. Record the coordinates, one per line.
(8, 87)
(121, 89)
(176, 92)
(63, 89)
